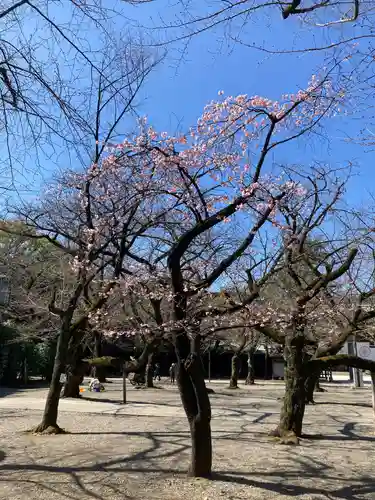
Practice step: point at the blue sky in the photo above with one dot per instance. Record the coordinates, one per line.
(179, 88)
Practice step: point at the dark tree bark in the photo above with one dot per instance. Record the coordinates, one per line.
(250, 379)
(196, 403)
(323, 362)
(149, 371)
(98, 371)
(311, 382)
(75, 369)
(293, 408)
(236, 364)
(71, 386)
(49, 420)
(235, 370)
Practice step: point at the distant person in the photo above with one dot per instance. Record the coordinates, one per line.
(96, 386)
(157, 372)
(172, 372)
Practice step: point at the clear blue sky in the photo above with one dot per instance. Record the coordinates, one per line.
(179, 88)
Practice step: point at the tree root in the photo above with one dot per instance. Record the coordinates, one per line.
(288, 438)
(275, 433)
(233, 387)
(47, 430)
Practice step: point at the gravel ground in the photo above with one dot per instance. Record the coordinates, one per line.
(141, 450)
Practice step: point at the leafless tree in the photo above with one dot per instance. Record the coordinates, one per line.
(323, 306)
(51, 57)
(237, 20)
(78, 218)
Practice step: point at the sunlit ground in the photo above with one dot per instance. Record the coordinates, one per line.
(141, 450)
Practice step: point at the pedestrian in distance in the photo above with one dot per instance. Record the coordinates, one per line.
(172, 372)
(157, 372)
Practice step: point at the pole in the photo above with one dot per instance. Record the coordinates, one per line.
(124, 385)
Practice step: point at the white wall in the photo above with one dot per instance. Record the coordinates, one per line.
(363, 350)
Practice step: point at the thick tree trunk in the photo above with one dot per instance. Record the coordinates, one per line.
(194, 397)
(149, 371)
(293, 409)
(71, 386)
(201, 451)
(250, 379)
(235, 370)
(98, 371)
(311, 382)
(74, 369)
(48, 424)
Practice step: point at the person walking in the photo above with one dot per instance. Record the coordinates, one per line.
(172, 372)
(157, 372)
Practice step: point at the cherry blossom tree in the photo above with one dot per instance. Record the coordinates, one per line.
(75, 216)
(322, 308)
(211, 181)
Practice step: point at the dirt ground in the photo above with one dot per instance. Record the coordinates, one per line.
(141, 450)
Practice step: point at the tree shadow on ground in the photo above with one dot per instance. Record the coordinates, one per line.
(174, 446)
(361, 405)
(283, 483)
(34, 384)
(366, 486)
(98, 400)
(346, 434)
(119, 402)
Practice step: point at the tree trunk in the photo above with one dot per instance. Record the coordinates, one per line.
(311, 383)
(149, 371)
(49, 420)
(250, 379)
(74, 369)
(233, 383)
(196, 403)
(98, 371)
(293, 409)
(71, 386)
(201, 451)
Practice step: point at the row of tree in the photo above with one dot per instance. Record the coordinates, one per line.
(178, 238)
